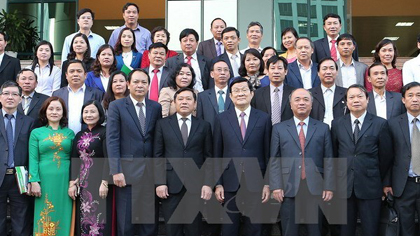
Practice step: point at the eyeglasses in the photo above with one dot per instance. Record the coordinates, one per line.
(222, 70)
(243, 90)
(7, 94)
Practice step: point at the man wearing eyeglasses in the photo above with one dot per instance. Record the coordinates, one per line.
(242, 141)
(14, 141)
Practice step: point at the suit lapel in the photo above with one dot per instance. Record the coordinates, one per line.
(339, 79)
(267, 98)
(319, 96)
(326, 47)
(310, 132)
(194, 126)
(233, 120)
(371, 105)
(4, 63)
(253, 119)
(175, 127)
(164, 78)
(18, 126)
(338, 95)
(366, 124)
(359, 72)
(88, 94)
(347, 126)
(228, 102)
(213, 100)
(314, 72)
(285, 98)
(149, 113)
(98, 83)
(295, 70)
(35, 100)
(389, 104)
(291, 128)
(212, 48)
(130, 108)
(405, 130)
(3, 126)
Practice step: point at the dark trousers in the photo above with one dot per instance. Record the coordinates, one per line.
(181, 220)
(406, 206)
(137, 210)
(20, 206)
(369, 211)
(295, 212)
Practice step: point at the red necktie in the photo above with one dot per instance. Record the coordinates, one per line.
(189, 60)
(302, 146)
(333, 50)
(154, 88)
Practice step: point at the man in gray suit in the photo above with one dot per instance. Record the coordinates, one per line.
(302, 153)
(158, 72)
(350, 71)
(213, 47)
(77, 93)
(383, 103)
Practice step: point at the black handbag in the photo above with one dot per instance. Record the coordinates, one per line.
(389, 222)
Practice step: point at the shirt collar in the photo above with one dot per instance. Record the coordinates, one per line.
(247, 112)
(329, 38)
(48, 65)
(89, 35)
(238, 55)
(375, 95)
(361, 118)
(194, 56)
(324, 89)
(151, 68)
(178, 117)
(272, 87)
(82, 89)
(215, 42)
(301, 66)
(306, 120)
(30, 95)
(4, 113)
(137, 27)
(341, 63)
(217, 90)
(135, 101)
(410, 117)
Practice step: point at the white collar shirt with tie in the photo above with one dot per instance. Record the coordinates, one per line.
(224, 94)
(305, 126)
(26, 102)
(237, 61)
(137, 107)
(330, 45)
(246, 117)
(222, 48)
(361, 120)
(187, 122)
(380, 104)
(152, 74)
(328, 94)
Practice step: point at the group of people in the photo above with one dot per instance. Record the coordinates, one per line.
(212, 133)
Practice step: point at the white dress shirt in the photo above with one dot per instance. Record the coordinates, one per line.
(246, 117)
(306, 75)
(47, 83)
(330, 45)
(328, 94)
(348, 73)
(305, 126)
(1, 57)
(411, 70)
(217, 89)
(194, 64)
(187, 122)
(75, 104)
(137, 107)
(127, 58)
(237, 61)
(104, 81)
(410, 128)
(361, 120)
(380, 104)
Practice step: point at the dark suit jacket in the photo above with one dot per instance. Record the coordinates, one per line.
(207, 48)
(322, 50)
(394, 105)
(164, 79)
(368, 160)
(23, 128)
(262, 101)
(224, 57)
(294, 79)
(228, 144)
(169, 144)
(360, 74)
(34, 107)
(285, 168)
(9, 68)
(400, 134)
(207, 107)
(318, 105)
(128, 149)
(203, 62)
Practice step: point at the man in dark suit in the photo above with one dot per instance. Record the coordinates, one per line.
(350, 71)
(15, 129)
(402, 180)
(302, 167)
(157, 70)
(31, 100)
(129, 137)
(200, 64)
(383, 103)
(213, 47)
(182, 136)
(274, 99)
(242, 141)
(231, 39)
(363, 139)
(329, 101)
(215, 100)
(9, 66)
(327, 47)
(77, 93)
(302, 73)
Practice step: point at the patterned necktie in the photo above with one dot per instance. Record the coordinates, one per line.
(221, 102)
(356, 131)
(415, 147)
(219, 48)
(154, 87)
(243, 125)
(235, 67)
(276, 108)
(302, 147)
(333, 50)
(142, 118)
(189, 60)
(10, 141)
(27, 102)
(184, 130)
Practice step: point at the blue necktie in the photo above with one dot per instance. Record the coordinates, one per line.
(221, 102)
(10, 141)
(219, 48)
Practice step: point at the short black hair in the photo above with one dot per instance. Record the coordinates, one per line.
(157, 29)
(75, 61)
(359, 86)
(255, 23)
(4, 36)
(158, 45)
(100, 111)
(326, 59)
(291, 30)
(377, 64)
(408, 86)
(331, 15)
(252, 51)
(175, 73)
(83, 11)
(187, 32)
(268, 48)
(183, 90)
(125, 7)
(130, 75)
(240, 80)
(347, 37)
(215, 19)
(310, 41)
(26, 69)
(217, 61)
(275, 59)
(10, 83)
(229, 29)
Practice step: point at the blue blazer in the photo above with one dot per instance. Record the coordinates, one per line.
(294, 79)
(135, 62)
(94, 81)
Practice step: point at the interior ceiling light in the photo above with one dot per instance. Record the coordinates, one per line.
(404, 24)
(392, 38)
(111, 27)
